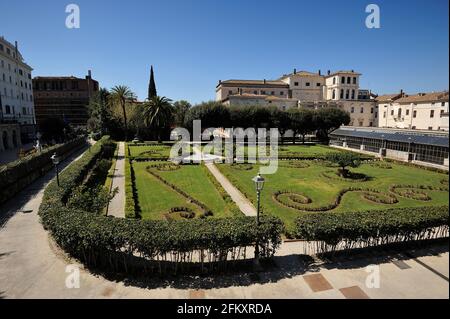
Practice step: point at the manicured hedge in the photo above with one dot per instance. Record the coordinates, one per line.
(123, 244)
(333, 231)
(130, 193)
(18, 174)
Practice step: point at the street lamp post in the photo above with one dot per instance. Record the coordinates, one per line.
(259, 184)
(409, 147)
(55, 160)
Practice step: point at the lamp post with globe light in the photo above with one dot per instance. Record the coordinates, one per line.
(259, 184)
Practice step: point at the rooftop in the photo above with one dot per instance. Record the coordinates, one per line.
(405, 136)
(424, 97)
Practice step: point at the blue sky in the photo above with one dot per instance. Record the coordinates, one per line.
(194, 43)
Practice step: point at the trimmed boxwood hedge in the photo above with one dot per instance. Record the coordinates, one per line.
(122, 244)
(17, 175)
(333, 231)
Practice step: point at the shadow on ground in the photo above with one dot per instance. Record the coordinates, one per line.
(282, 267)
(16, 204)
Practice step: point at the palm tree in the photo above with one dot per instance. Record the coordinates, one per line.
(158, 114)
(121, 94)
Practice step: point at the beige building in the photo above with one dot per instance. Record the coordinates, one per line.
(422, 111)
(305, 89)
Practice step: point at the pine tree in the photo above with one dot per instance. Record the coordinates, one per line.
(152, 85)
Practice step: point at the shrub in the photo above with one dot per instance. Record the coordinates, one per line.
(332, 231)
(18, 174)
(344, 160)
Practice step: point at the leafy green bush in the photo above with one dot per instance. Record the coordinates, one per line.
(123, 244)
(18, 174)
(334, 231)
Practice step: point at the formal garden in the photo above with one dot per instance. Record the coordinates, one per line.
(179, 219)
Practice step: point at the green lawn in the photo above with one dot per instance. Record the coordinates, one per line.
(151, 151)
(155, 198)
(322, 191)
(293, 151)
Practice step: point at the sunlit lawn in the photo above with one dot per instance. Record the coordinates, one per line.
(323, 191)
(155, 198)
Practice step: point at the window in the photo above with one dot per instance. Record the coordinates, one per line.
(371, 110)
(263, 92)
(414, 114)
(8, 51)
(272, 93)
(370, 124)
(307, 83)
(361, 123)
(334, 80)
(430, 128)
(352, 110)
(20, 72)
(431, 113)
(281, 93)
(353, 94)
(442, 112)
(347, 94)
(7, 109)
(1, 47)
(255, 92)
(392, 112)
(295, 83)
(74, 85)
(407, 112)
(342, 94)
(24, 111)
(413, 127)
(399, 113)
(334, 94)
(343, 80)
(384, 114)
(230, 92)
(376, 114)
(317, 84)
(361, 110)
(442, 104)
(354, 82)
(348, 80)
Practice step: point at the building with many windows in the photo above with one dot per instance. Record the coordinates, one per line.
(17, 118)
(422, 111)
(427, 148)
(305, 89)
(63, 97)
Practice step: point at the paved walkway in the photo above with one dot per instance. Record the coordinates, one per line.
(117, 205)
(32, 267)
(241, 201)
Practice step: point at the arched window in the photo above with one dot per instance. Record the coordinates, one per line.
(342, 93)
(353, 94)
(347, 94)
(334, 94)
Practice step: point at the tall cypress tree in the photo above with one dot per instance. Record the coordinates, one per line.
(151, 85)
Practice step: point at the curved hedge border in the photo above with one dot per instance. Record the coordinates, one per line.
(130, 245)
(336, 231)
(17, 175)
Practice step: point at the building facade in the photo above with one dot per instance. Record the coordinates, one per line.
(422, 111)
(63, 97)
(17, 115)
(305, 89)
(427, 148)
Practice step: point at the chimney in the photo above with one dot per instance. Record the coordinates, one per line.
(320, 72)
(328, 72)
(295, 71)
